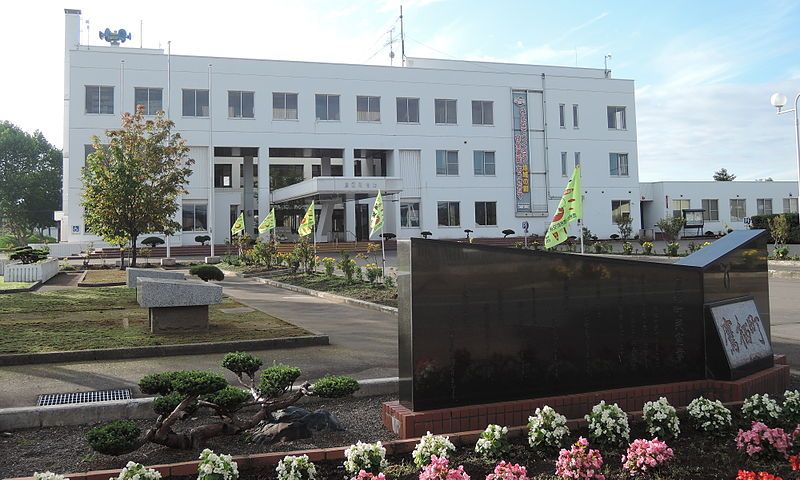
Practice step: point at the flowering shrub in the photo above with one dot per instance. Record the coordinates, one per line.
(362, 475)
(374, 272)
(547, 428)
(762, 439)
(48, 476)
(644, 455)
(216, 467)
(137, 471)
(761, 408)
(661, 418)
(608, 424)
(794, 462)
(493, 442)
(580, 461)
(709, 416)
(328, 264)
(790, 410)
(508, 471)
(439, 469)
(296, 468)
(648, 247)
(748, 475)
(370, 457)
(431, 445)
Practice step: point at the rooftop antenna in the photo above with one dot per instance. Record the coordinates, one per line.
(402, 40)
(605, 61)
(88, 34)
(391, 46)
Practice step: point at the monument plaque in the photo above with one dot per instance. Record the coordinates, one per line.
(742, 337)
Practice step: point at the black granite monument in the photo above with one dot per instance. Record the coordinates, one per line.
(481, 324)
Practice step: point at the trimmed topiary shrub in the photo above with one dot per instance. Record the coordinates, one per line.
(202, 239)
(165, 404)
(229, 398)
(114, 438)
(335, 386)
(156, 383)
(207, 272)
(242, 363)
(153, 242)
(278, 379)
(197, 382)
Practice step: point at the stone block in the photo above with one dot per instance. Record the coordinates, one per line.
(213, 260)
(168, 262)
(137, 273)
(159, 293)
(179, 319)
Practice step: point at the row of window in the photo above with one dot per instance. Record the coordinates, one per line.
(738, 207)
(449, 214)
(241, 104)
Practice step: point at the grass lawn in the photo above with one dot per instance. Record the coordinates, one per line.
(83, 318)
(105, 276)
(12, 285)
(361, 290)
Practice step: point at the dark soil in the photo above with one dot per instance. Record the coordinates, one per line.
(376, 293)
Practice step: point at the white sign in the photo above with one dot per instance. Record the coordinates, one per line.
(741, 332)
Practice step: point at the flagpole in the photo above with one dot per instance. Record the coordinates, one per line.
(580, 224)
(383, 254)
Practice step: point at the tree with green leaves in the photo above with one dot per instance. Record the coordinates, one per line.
(181, 393)
(722, 175)
(30, 181)
(671, 227)
(131, 184)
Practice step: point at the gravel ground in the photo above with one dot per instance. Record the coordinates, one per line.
(64, 449)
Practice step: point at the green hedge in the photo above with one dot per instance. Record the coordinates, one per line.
(114, 438)
(761, 221)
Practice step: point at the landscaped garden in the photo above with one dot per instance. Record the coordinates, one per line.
(13, 285)
(104, 276)
(109, 317)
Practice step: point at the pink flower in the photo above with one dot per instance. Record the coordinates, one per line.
(363, 475)
(760, 438)
(580, 462)
(644, 455)
(508, 471)
(439, 469)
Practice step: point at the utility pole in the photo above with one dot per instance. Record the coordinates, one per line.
(402, 40)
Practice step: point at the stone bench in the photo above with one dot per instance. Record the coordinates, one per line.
(177, 305)
(137, 273)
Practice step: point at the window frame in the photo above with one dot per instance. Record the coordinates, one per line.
(482, 162)
(744, 209)
(285, 108)
(230, 175)
(448, 163)
(562, 115)
(619, 205)
(194, 204)
(147, 105)
(99, 99)
(619, 163)
(407, 203)
(575, 124)
(787, 204)
(485, 204)
(370, 99)
(761, 204)
(241, 115)
(681, 201)
(577, 157)
(194, 102)
(706, 204)
(564, 164)
(449, 204)
(328, 97)
(616, 117)
(407, 101)
(447, 102)
(483, 104)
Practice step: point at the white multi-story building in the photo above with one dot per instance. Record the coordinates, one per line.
(452, 145)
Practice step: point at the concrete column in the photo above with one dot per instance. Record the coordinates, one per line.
(325, 169)
(325, 221)
(263, 183)
(391, 214)
(348, 201)
(247, 195)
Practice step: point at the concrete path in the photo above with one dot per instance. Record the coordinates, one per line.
(363, 344)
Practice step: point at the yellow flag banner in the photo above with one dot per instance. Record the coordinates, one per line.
(307, 225)
(376, 221)
(268, 223)
(570, 209)
(238, 225)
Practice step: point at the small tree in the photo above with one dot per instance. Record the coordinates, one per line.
(132, 184)
(153, 242)
(181, 393)
(722, 175)
(779, 229)
(624, 226)
(28, 255)
(671, 227)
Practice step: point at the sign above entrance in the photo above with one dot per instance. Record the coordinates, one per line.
(337, 186)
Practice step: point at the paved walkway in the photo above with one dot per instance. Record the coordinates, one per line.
(363, 344)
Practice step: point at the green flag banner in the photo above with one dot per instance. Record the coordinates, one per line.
(238, 225)
(268, 223)
(376, 220)
(570, 209)
(307, 225)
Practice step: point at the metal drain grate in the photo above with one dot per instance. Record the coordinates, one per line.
(83, 397)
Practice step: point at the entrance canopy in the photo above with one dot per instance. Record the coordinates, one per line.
(332, 186)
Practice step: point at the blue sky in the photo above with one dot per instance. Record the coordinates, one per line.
(704, 70)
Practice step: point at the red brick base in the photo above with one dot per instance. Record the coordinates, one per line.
(409, 424)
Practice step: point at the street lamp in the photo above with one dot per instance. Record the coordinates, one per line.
(778, 101)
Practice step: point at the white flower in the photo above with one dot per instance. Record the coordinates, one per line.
(370, 457)
(608, 423)
(430, 445)
(296, 468)
(661, 418)
(48, 476)
(546, 428)
(137, 471)
(709, 416)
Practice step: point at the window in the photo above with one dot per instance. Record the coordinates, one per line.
(738, 209)
(194, 217)
(409, 214)
(445, 111)
(710, 210)
(368, 109)
(618, 164)
(483, 162)
(407, 110)
(240, 104)
(222, 175)
(446, 162)
(577, 158)
(574, 115)
(482, 112)
(99, 99)
(486, 213)
(678, 205)
(620, 209)
(562, 115)
(284, 106)
(789, 205)
(327, 107)
(149, 98)
(563, 164)
(195, 103)
(764, 206)
(448, 213)
(616, 118)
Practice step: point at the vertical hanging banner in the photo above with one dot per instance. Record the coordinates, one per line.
(522, 163)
